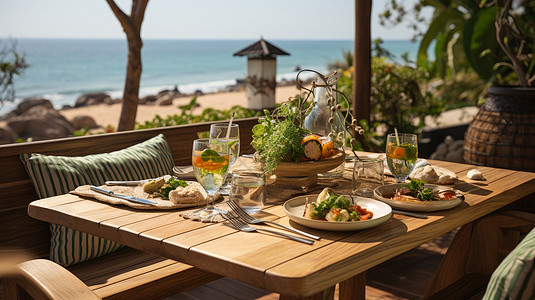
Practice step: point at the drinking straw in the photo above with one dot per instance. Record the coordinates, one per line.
(229, 125)
(397, 136)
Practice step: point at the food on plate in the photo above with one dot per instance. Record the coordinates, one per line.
(475, 174)
(425, 173)
(432, 174)
(312, 147)
(153, 185)
(327, 146)
(164, 190)
(415, 191)
(335, 208)
(189, 194)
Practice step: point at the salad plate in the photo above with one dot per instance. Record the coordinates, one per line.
(385, 194)
(295, 207)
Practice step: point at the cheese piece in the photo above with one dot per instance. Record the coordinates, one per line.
(475, 175)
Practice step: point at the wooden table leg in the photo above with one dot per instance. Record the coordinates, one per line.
(327, 294)
(353, 288)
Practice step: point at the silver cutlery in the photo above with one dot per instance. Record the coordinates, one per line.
(242, 226)
(252, 220)
(410, 214)
(124, 197)
(130, 182)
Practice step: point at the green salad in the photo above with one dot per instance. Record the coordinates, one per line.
(335, 208)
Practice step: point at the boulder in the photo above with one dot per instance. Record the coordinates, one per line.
(92, 99)
(449, 150)
(164, 100)
(9, 115)
(456, 156)
(83, 122)
(29, 103)
(41, 124)
(148, 99)
(7, 136)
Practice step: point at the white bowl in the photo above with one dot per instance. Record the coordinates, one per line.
(381, 213)
(383, 193)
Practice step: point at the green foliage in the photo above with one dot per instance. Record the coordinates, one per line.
(398, 95)
(464, 36)
(187, 117)
(343, 64)
(82, 132)
(277, 137)
(11, 64)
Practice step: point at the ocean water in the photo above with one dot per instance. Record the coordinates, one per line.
(62, 69)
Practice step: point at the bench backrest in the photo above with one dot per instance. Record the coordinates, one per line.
(20, 232)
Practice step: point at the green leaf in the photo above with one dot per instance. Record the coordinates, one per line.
(479, 38)
(259, 129)
(209, 154)
(436, 29)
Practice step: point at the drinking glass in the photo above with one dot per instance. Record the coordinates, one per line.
(221, 131)
(210, 159)
(248, 190)
(401, 154)
(368, 173)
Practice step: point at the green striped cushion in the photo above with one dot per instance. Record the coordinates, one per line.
(515, 276)
(56, 175)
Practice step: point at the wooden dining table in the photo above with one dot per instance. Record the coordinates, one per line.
(292, 269)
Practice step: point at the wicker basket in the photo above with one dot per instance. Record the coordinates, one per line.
(502, 134)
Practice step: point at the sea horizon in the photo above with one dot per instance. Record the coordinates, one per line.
(62, 69)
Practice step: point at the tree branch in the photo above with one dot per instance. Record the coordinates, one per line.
(502, 25)
(121, 16)
(138, 12)
(129, 27)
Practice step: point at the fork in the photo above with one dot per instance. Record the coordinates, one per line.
(240, 225)
(252, 220)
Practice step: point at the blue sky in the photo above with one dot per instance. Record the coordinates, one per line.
(192, 19)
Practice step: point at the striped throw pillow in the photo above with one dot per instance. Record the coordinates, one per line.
(56, 175)
(515, 276)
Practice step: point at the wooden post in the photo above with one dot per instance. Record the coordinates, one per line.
(362, 60)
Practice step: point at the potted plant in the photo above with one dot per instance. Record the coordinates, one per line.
(502, 132)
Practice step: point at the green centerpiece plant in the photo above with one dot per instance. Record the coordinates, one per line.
(279, 135)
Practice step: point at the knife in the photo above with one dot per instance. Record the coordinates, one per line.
(399, 212)
(135, 182)
(129, 198)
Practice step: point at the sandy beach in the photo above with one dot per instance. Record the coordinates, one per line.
(105, 114)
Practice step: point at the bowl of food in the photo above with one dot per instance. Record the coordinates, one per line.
(419, 196)
(330, 211)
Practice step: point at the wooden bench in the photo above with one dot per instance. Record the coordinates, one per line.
(127, 273)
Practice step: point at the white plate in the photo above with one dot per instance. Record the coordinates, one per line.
(390, 189)
(381, 213)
